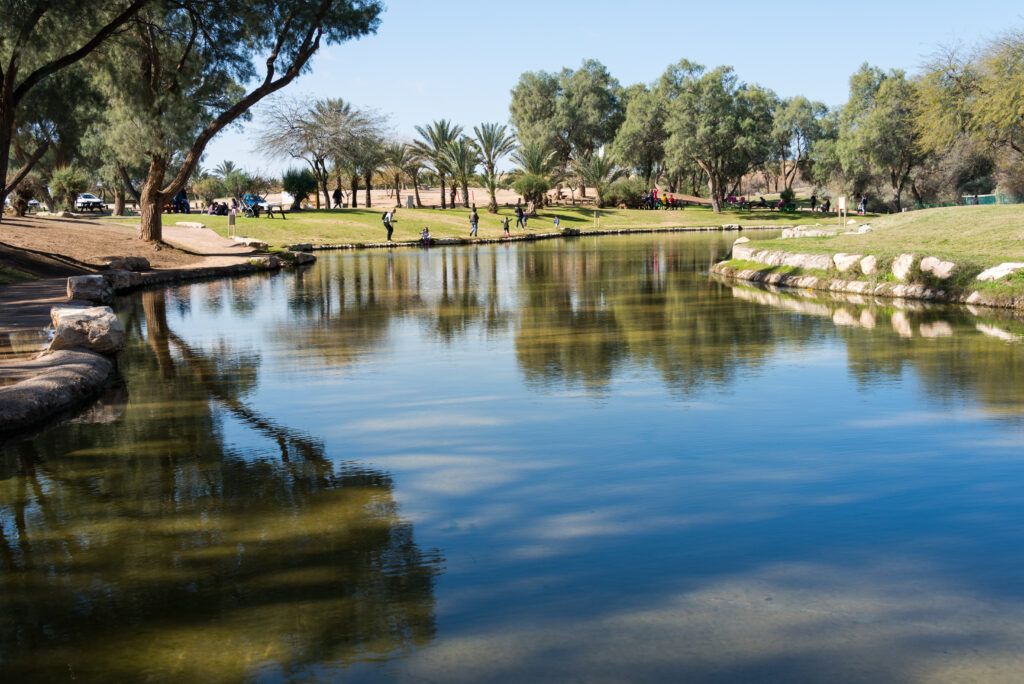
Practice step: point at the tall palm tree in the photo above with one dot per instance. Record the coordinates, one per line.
(599, 171)
(370, 158)
(436, 137)
(462, 157)
(413, 166)
(493, 145)
(225, 168)
(535, 158)
(395, 154)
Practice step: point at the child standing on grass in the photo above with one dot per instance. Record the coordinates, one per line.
(556, 223)
(504, 224)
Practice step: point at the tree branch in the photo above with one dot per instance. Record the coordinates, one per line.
(309, 45)
(25, 168)
(128, 182)
(56, 65)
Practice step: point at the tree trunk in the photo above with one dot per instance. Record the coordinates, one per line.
(416, 190)
(713, 188)
(492, 205)
(368, 177)
(322, 187)
(152, 202)
(441, 179)
(355, 191)
(451, 192)
(398, 193)
(465, 193)
(118, 202)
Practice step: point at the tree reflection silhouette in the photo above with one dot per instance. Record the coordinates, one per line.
(160, 550)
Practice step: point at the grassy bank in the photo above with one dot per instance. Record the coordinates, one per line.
(339, 226)
(973, 238)
(981, 235)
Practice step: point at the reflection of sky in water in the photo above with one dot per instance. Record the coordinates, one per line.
(817, 505)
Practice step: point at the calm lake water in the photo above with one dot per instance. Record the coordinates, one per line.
(564, 461)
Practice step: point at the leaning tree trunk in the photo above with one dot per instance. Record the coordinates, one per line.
(118, 202)
(151, 205)
(368, 177)
(416, 190)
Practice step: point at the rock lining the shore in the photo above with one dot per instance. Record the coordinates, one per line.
(64, 379)
(94, 328)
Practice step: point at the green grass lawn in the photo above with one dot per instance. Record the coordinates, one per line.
(981, 235)
(338, 226)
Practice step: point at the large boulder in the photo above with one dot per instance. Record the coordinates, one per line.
(89, 288)
(300, 247)
(999, 272)
(869, 265)
(302, 258)
(902, 265)
(95, 328)
(937, 267)
(844, 262)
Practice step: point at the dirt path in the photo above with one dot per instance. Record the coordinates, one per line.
(53, 249)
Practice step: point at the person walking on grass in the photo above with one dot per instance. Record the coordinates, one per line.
(474, 221)
(389, 218)
(520, 221)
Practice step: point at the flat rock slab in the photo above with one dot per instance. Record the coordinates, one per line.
(58, 382)
(191, 224)
(204, 241)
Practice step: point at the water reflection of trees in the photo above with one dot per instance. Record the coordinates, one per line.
(578, 311)
(160, 548)
(951, 349)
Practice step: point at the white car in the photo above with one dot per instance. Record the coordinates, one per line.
(88, 201)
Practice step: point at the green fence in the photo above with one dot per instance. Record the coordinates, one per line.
(969, 200)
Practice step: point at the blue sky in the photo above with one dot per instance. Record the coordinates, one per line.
(459, 60)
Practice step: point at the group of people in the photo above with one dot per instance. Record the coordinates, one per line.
(522, 217)
(221, 208)
(650, 200)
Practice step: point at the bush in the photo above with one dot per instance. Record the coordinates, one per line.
(299, 183)
(209, 189)
(533, 188)
(627, 191)
(67, 184)
(28, 189)
(787, 196)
